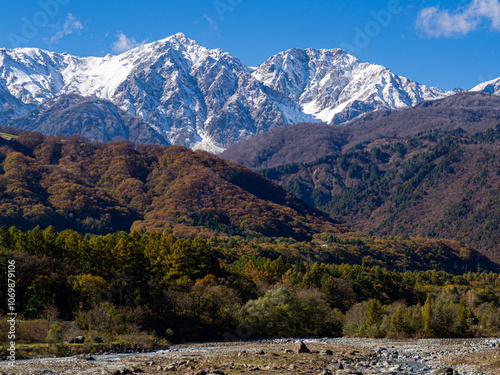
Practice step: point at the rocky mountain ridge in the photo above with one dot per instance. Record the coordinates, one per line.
(207, 99)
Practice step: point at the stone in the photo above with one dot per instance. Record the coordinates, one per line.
(300, 347)
(335, 366)
(351, 370)
(79, 339)
(326, 372)
(69, 340)
(288, 351)
(326, 352)
(444, 371)
(84, 357)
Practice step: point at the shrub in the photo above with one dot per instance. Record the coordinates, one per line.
(32, 330)
(55, 334)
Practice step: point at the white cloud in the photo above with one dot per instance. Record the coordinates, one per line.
(70, 26)
(124, 43)
(436, 22)
(213, 25)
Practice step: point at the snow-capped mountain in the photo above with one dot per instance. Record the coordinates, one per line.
(192, 95)
(490, 87)
(208, 99)
(334, 86)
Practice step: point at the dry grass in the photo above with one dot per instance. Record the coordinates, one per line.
(484, 361)
(8, 136)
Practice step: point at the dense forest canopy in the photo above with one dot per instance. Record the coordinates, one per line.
(439, 184)
(194, 289)
(72, 183)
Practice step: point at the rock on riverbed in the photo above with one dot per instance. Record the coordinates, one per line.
(326, 356)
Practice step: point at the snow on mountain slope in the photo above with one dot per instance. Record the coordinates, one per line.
(205, 98)
(192, 95)
(490, 87)
(335, 87)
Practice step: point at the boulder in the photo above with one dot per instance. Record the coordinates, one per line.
(300, 347)
(443, 371)
(326, 352)
(352, 370)
(85, 357)
(79, 339)
(335, 366)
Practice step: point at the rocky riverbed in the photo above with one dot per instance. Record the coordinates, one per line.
(326, 356)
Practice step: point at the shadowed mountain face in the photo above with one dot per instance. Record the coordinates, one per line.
(91, 118)
(304, 143)
(299, 143)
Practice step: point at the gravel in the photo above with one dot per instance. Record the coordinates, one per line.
(328, 356)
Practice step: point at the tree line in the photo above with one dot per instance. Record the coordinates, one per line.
(188, 289)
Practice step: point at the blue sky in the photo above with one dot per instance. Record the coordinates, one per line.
(439, 43)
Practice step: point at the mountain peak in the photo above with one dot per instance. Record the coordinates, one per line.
(490, 87)
(206, 98)
(181, 38)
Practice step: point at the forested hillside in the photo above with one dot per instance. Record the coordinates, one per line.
(440, 184)
(72, 183)
(96, 188)
(141, 243)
